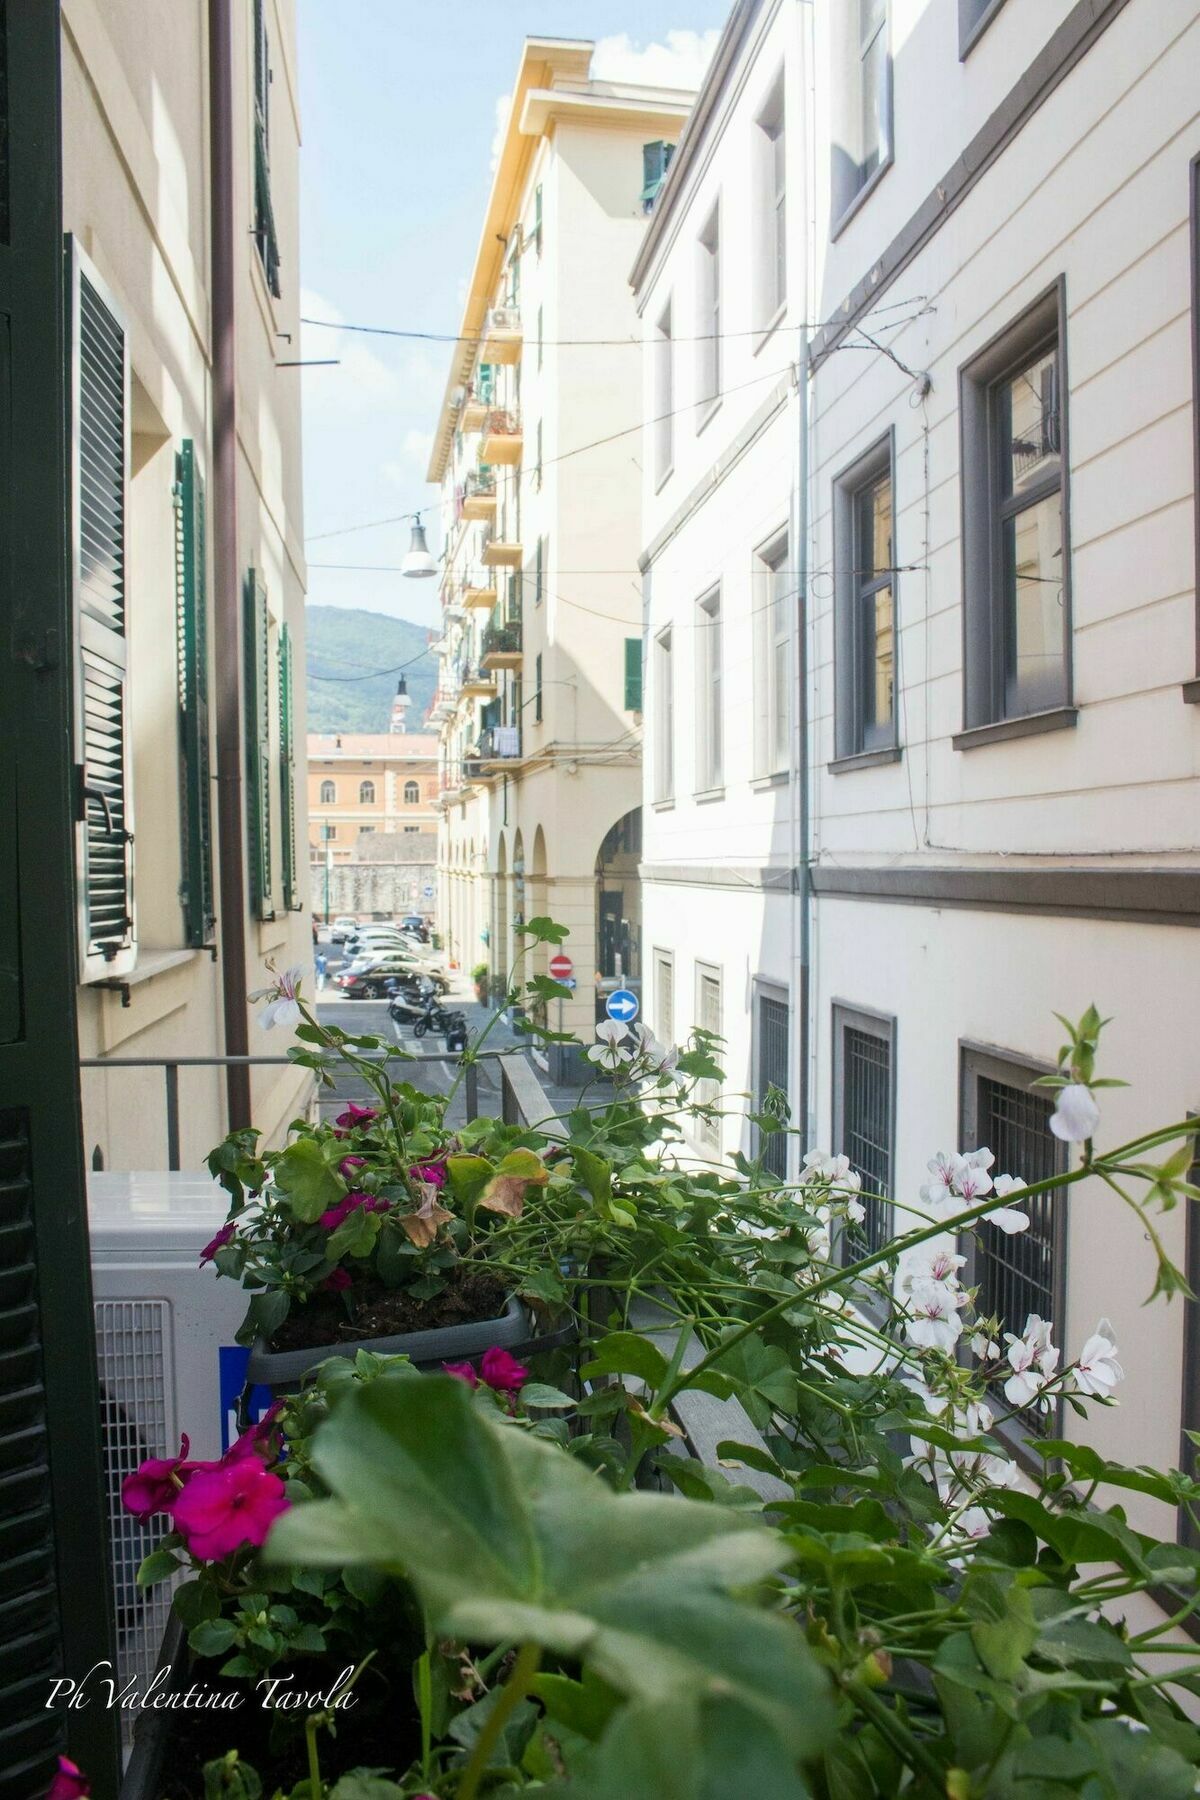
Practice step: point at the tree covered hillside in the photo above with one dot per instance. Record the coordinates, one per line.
(345, 641)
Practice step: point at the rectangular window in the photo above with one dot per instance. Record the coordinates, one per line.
(863, 101)
(708, 318)
(266, 241)
(1025, 1273)
(100, 473)
(537, 217)
(709, 707)
(537, 689)
(664, 722)
(540, 337)
(771, 208)
(539, 570)
(258, 746)
(864, 1119)
(1016, 557)
(664, 399)
(537, 471)
(974, 17)
(771, 1034)
(774, 594)
(633, 674)
(865, 605)
(287, 773)
(191, 628)
(664, 996)
(708, 1018)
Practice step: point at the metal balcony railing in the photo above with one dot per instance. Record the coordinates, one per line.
(480, 483)
(502, 634)
(499, 743)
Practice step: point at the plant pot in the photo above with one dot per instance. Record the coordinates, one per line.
(143, 1775)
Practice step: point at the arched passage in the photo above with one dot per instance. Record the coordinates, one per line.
(619, 908)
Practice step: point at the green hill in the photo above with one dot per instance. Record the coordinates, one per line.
(344, 641)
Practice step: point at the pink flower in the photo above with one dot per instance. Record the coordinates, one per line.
(214, 1244)
(432, 1172)
(348, 1165)
(337, 1282)
(464, 1371)
(226, 1506)
(503, 1372)
(335, 1215)
(69, 1783)
(154, 1485)
(355, 1115)
(261, 1439)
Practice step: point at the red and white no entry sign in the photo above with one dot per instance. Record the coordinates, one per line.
(561, 966)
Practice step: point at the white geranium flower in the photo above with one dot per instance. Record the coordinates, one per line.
(972, 1182)
(283, 1004)
(1034, 1362)
(943, 1169)
(972, 1524)
(1076, 1115)
(610, 1052)
(1098, 1371)
(1009, 1219)
(855, 1211)
(658, 1058)
(934, 1322)
(984, 1347)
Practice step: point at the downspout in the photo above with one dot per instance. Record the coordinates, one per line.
(801, 822)
(227, 622)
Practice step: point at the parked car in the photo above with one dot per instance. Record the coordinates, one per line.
(367, 978)
(342, 928)
(417, 925)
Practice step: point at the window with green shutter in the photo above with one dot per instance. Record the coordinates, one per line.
(258, 747)
(265, 236)
(537, 217)
(633, 674)
(287, 772)
(100, 477)
(537, 689)
(191, 638)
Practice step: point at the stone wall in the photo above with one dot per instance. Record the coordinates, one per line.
(376, 889)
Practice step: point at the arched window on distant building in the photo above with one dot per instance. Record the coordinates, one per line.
(328, 793)
(366, 793)
(412, 793)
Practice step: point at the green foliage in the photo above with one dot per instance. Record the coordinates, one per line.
(350, 641)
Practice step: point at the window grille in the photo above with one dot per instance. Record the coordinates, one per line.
(708, 1092)
(864, 1122)
(772, 1071)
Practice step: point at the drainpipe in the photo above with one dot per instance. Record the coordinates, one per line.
(227, 623)
(801, 925)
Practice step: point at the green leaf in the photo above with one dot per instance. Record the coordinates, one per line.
(1003, 1642)
(753, 1456)
(506, 1540)
(536, 1393)
(264, 1315)
(544, 931)
(545, 1284)
(1088, 1465)
(229, 1778)
(625, 1353)
(158, 1566)
(468, 1175)
(194, 1602)
(213, 1637)
(762, 1378)
(594, 1173)
(366, 1784)
(583, 1706)
(310, 1184)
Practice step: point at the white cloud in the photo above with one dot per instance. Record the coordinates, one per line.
(413, 460)
(503, 108)
(680, 62)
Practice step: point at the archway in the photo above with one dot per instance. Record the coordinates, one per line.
(619, 908)
(538, 908)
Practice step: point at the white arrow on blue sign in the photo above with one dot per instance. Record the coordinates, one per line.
(622, 1004)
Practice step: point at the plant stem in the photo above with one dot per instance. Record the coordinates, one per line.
(425, 1705)
(529, 1659)
(901, 1739)
(316, 1787)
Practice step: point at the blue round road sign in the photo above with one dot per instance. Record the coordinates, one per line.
(622, 1004)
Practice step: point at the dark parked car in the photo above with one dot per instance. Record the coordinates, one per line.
(416, 924)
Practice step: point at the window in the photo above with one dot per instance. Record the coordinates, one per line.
(708, 1018)
(864, 1119)
(287, 773)
(537, 218)
(366, 831)
(541, 344)
(633, 674)
(537, 467)
(708, 319)
(771, 1032)
(256, 624)
(328, 793)
(774, 593)
(412, 793)
(1016, 559)
(709, 745)
(974, 17)
(329, 832)
(864, 605)
(664, 398)
(863, 101)
(366, 793)
(1025, 1273)
(771, 212)
(537, 688)
(656, 160)
(265, 237)
(539, 570)
(664, 996)
(196, 890)
(410, 828)
(664, 733)
(100, 379)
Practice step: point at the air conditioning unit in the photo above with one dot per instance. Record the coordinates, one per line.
(168, 1364)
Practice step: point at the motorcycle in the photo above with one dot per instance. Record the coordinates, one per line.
(409, 999)
(445, 1022)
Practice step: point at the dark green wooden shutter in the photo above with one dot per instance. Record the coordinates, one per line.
(537, 217)
(537, 689)
(100, 373)
(258, 748)
(264, 215)
(633, 674)
(287, 772)
(191, 630)
(537, 573)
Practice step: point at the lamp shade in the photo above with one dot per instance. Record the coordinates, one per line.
(418, 564)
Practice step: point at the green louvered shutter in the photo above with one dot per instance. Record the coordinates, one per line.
(258, 748)
(191, 632)
(100, 476)
(287, 772)
(633, 674)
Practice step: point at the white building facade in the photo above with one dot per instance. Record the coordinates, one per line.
(993, 625)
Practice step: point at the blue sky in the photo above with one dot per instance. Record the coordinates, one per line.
(400, 102)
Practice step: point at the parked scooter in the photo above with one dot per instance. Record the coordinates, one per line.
(410, 998)
(442, 1020)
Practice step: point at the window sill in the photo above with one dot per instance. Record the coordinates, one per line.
(771, 327)
(973, 35)
(667, 805)
(1059, 718)
(706, 796)
(1191, 692)
(149, 964)
(664, 478)
(762, 783)
(860, 199)
(703, 423)
(865, 759)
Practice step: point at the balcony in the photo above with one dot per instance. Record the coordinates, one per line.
(502, 336)
(477, 684)
(479, 589)
(502, 552)
(501, 648)
(499, 744)
(479, 495)
(502, 440)
(478, 402)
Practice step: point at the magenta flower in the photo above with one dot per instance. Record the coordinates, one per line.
(263, 1438)
(337, 1282)
(355, 1115)
(503, 1372)
(222, 1238)
(335, 1215)
(70, 1783)
(349, 1164)
(462, 1371)
(432, 1172)
(228, 1505)
(154, 1485)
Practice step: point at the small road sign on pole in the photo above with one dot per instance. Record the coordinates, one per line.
(560, 967)
(622, 1004)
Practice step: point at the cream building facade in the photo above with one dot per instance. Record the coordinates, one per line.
(181, 205)
(990, 808)
(364, 783)
(536, 451)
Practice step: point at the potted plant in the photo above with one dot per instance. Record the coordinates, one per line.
(479, 974)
